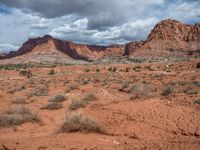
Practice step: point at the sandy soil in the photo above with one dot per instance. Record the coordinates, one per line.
(132, 119)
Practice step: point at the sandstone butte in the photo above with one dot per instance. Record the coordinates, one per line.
(166, 38)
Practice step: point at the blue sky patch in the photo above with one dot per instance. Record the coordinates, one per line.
(4, 10)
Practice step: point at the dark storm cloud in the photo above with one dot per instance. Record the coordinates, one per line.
(89, 21)
(55, 8)
(101, 13)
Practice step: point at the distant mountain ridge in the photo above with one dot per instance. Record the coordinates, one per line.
(48, 44)
(167, 37)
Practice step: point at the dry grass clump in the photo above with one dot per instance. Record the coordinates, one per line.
(190, 88)
(80, 103)
(190, 91)
(112, 69)
(20, 100)
(71, 87)
(89, 97)
(76, 104)
(40, 92)
(197, 102)
(141, 90)
(52, 106)
(58, 98)
(52, 72)
(124, 86)
(16, 88)
(26, 73)
(79, 123)
(17, 116)
(87, 70)
(167, 90)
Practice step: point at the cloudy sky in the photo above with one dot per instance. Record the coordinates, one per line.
(101, 22)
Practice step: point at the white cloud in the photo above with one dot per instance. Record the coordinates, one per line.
(117, 34)
(8, 47)
(76, 26)
(90, 21)
(185, 11)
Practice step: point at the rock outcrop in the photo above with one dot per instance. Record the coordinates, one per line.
(49, 45)
(132, 47)
(166, 37)
(173, 34)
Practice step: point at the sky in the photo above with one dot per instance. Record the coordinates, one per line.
(100, 22)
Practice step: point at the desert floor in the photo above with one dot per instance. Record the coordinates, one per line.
(142, 106)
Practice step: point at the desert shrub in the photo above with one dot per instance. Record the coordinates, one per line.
(76, 104)
(87, 70)
(197, 102)
(137, 68)
(72, 87)
(127, 70)
(167, 90)
(79, 123)
(57, 98)
(40, 92)
(125, 85)
(89, 97)
(150, 68)
(80, 103)
(85, 82)
(198, 65)
(15, 66)
(16, 88)
(26, 73)
(135, 60)
(112, 69)
(52, 72)
(21, 100)
(191, 91)
(17, 116)
(52, 106)
(196, 83)
(141, 90)
(97, 70)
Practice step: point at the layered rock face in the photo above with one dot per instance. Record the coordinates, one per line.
(166, 37)
(132, 47)
(175, 35)
(48, 45)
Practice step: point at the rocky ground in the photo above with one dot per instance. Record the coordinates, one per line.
(147, 106)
